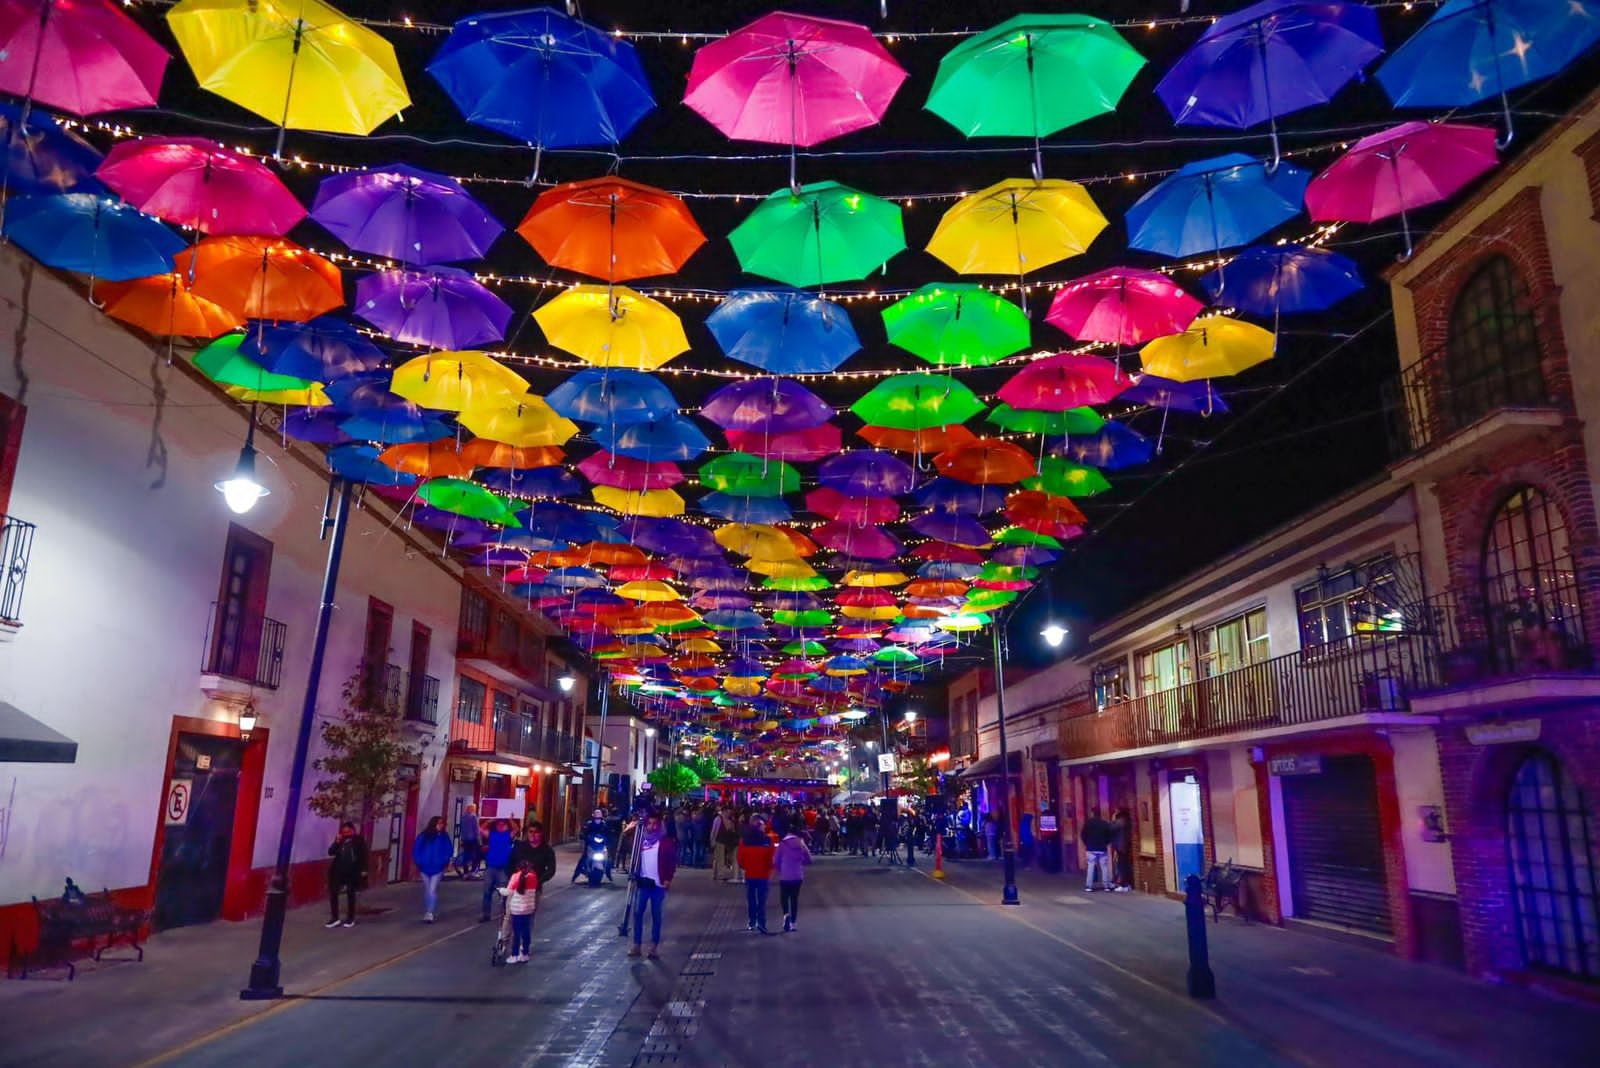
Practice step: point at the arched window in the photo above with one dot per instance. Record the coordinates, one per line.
(1493, 352)
(1530, 592)
(1555, 881)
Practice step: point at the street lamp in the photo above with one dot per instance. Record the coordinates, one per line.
(1053, 634)
(566, 682)
(911, 715)
(241, 490)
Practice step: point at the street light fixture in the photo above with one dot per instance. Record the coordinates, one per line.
(241, 490)
(1053, 634)
(566, 682)
(649, 732)
(911, 715)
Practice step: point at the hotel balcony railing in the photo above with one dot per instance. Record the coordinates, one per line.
(251, 651)
(516, 736)
(422, 700)
(1427, 405)
(16, 542)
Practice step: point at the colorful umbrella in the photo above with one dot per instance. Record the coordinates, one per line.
(223, 363)
(319, 426)
(758, 541)
(164, 305)
(866, 473)
(43, 157)
(298, 63)
(195, 182)
(1169, 395)
(1113, 447)
(829, 502)
(797, 446)
(84, 56)
(1017, 226)
(957, 323)
(746, 509)
(917, 402)
(405, 213)
(533, 482)
(519, 419)
(1061, 382)
(431, 459)
(661, 502)
(625, 472)
(325, 349)
(743, 475)
(785, 331)
(1273, 279)
(440, 308)
(775, 405)
(1399, 170)
(952, 528)
(1270, 59)
(263, 277)
(948, 495)
(673, 438)
(457, 381)
(484, 452)
(1032, 76)
(986, 461)
(862, 542)
(613, 327)
(469, 499)
(1070, 421)
(1212, 348)
(929, 440)
(1122, 306)
(612, 228)
(818, 234)
(612, 396)
(360, 463)
(1214, 204)
(91, 234)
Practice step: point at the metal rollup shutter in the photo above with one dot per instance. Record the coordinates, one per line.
(1336, 845)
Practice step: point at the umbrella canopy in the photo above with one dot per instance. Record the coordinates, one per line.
(613, 326)
(949, 495)
(866, 473)
(1017, 226)
(165, 305)
(195, 182)
(952, 528)
(829, 502)
(795, 446)
(1070, 421)
(1063, 478)
(661, 502)
(519, 419)
(612, 396)
(917, 402)
(766, 405)
(441, 308)
(1176, 396)
(612, 228)
(42, 157)
(456, 381)
(818, 234)
(746, 509)
(863, 542)
(625, 472)
(1272, 279)
(742, 475)
(1113, 447)
(956, 323)
(431, 459)
(929, 440)
(785, 331)
(263, 277)
(673, 438)
(986, 461)
(1215, 204)
(324, 349)
(223, 363)
(533, 482)
(93, 235)
(1122, 306)
(1213, 347)
(85, 57)
(497, 454)
(360, 463)
(1062, 382)
(468, 499)
(405, 213)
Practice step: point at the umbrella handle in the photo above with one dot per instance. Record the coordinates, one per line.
(1504, 140)
(288, 91)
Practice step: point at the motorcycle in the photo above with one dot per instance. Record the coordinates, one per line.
(596, 862)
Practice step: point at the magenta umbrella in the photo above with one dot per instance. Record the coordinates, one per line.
(1122, 306)
(793, 80)
(1057, 383)
(829, 502)
(441, 307)
(625, 472)
(868, 543)
(1398, 170)
(795, 446)
(85, 56)
(193, 181)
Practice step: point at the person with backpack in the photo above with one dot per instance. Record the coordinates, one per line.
(790, 860)
(521, 892)
(755, 860)
(431, 853)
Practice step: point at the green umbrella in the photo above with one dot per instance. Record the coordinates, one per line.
(806, 584)
(469, 499)
(815, 617)
(895, 654)
(917, 402)
(1024, 536)
(821, 233)
(993, 572)
(223, 363)
(957, 323)
(685, 624)
(795, 675)
(1067, 479)
(988, 600)
(744, 475)
(1071, 421)
(1033, 75)
(805, 648)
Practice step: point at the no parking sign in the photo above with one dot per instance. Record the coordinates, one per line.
(179, 794)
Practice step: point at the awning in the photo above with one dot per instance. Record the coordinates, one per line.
(24, 740)
(989, 766)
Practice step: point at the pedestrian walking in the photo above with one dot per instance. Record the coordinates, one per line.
(790, 861)
(496, 864)
(521, 892)
(1121, 850)
(1095, 836)
(431, 853)
(469, 843)
(658, 863)
(347, 873)
(991, 834)
(755, 860)
(725, 839)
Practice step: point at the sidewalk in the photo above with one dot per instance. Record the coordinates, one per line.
(189, 982)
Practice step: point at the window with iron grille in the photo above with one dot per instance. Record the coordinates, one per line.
(1112, 682)
(1354, 599)
(469, 700)
(1493, 350)
(1530, 588)
(1555, 880)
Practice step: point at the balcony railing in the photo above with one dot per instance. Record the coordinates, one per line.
(16, 542)
(422, 700)
(517, 736)
(247, 648)
(1539, 632)
(489, 632)
(1428, 405)
(383, 686)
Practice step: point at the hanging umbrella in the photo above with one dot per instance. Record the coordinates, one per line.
(1070, 421)
(741, 474)
(319, 426)
(263, 277)
(673, 438)
(613, 326)
(829, 502)
(523, 420)
(1017, 226)
(1063, 478)
(485, 453)
(456, 381)
(1166, 394)
(1032, 76)
(164, 305)
(405, 213)
(785, 331)
(929, 440)
(43, 157)
(543, 78)
(818, 234)
(1214, 204)
(461, 497)
(195, 182)
(1270, 59)
(360, 463)
(1062, 382)
(612, 396)
(1273, 279)
(430, 459)
(625, 472)
(940, 554)
(986, 461)
(793, 80)
(952, 528)
(1472, 50)
(92, 235)
(1212, 348)
(746, 509)
(1396, 171)
(957, 323)
(394, 425)
(1113, 447)
(298, 63)
(917, 402)
(1122, 306)
(533, 482)
(639, 502)
(1034, 506)
(765, 405)
(753, 540)
(324, 348)
(612, 228)
(949, 495)
(862, 542)
(866, 473)
(86, 56)
(440, 308)
(796, 446)
(223, 363)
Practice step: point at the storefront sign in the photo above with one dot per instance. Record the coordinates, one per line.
(1516, 730)
(1295, 765)
(463, 773)
(886, 762)
(1047, 824)
(179, 793)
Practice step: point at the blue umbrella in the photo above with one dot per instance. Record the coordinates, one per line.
(746, 509)
(498, 557)
(41, 157)
(952, 528)
(575, 578)
(394, 427)
(1025, 556)
(672, 537)
(793, 601)
(544, 78)
(785, 331)
(1471, 50)
(320, 426)
(766, 405)
(949, 569)
(1215, 204)
(965, 498)
(709, 600)
(533, 482)
(867, 473)
(360, 463)
(93, 235)
(1270, 59)
(734, 619)
(672, 438)
(1175, 396)
(1113, 447)
(1272, 279)
(321, 350)
(612, 397)
(553, 519)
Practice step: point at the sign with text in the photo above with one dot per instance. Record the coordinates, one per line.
(886, 762)
(180, 792)
(1512, 730)
(1295, 765)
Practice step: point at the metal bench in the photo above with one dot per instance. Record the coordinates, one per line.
(68, 928)
(1224, 886)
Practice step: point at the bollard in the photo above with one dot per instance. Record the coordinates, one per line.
(938, 856)
(1202, 984)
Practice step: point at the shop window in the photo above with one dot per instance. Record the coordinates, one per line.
(469, 700)
(1493, 348)
(1362, 598)
(1112, 683)
(1530, 590)
(1554, 874)
(1233, 643)
(1165, 667)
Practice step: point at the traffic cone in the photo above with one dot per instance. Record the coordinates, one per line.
(938, 856)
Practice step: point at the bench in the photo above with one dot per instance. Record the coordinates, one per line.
(1224, 886)
(65, 925)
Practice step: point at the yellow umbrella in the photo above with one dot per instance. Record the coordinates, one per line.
(1212, 348)
(1017, 226)
(613, 326)
(780, 568)
(639, 502)
(875, 578)
(699, 645)
(522, 421)
(870, 611)
(648, 590)
(311, 397)
(757, 540)
(456, 381)
(299, 63)
(742, 687)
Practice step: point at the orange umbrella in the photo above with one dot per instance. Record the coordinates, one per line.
(612, 228)
(917, 611)
(928, 440)
(1043, 513)
(485, 453)
(936, 588)
(605, 554)
(668, 613)
(803, 546)
(692, 663)
(430, 459)
(262, 277)
(986, 461)
(165, 305)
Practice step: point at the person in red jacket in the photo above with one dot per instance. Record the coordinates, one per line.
(755, 859)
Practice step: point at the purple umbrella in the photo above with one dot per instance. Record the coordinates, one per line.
(727, 583)
(952, 527)
(405, 213)
(1175, 396)
(320, 426)
(711, 600)
(442, 308)
(494, 557)
(869, 543)
(1025, 556)
(963, 498)
(670, 537)
(766, 405)
(793, 601)
(867, 473)
(857, 645)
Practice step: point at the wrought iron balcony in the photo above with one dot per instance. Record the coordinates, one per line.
(1541, 631)
(246, 648)
(16, 542)
(422, 700)
(383, 686)
(1430, 407)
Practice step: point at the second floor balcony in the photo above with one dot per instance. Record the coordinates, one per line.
(422, 700)
(492, 639)
(16, 543)
(519, 735)
(242, 647)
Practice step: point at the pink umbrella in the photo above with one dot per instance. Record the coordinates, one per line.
(826, 501)
(625, 472)
(1122, 306)
(795, 446)
(1396, 171)
(1067, 381)
(793, 80)
(869, 543)
(83, 56)
(196, 182)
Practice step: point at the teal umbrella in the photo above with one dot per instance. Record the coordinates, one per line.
(820, 233)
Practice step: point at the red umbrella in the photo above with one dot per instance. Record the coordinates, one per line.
(929, 440)
(862, 597)
(987, 461)
(1123, 306)
(1043, 513)
(1066, 381)
(826, 501)
(196, 182)
(82, 56)
(794, 446)
(943, 550)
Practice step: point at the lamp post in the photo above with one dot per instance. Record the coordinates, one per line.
(264, 973)
(1008, 851)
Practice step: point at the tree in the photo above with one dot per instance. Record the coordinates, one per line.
(673, 779)
(916, 775)
(706, 769)
(365, 751)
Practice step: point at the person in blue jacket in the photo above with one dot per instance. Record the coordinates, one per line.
(431, 854)
(496, 863)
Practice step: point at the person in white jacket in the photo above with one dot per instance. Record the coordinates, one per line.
(521, 893)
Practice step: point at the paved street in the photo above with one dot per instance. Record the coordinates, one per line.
(889, 968)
